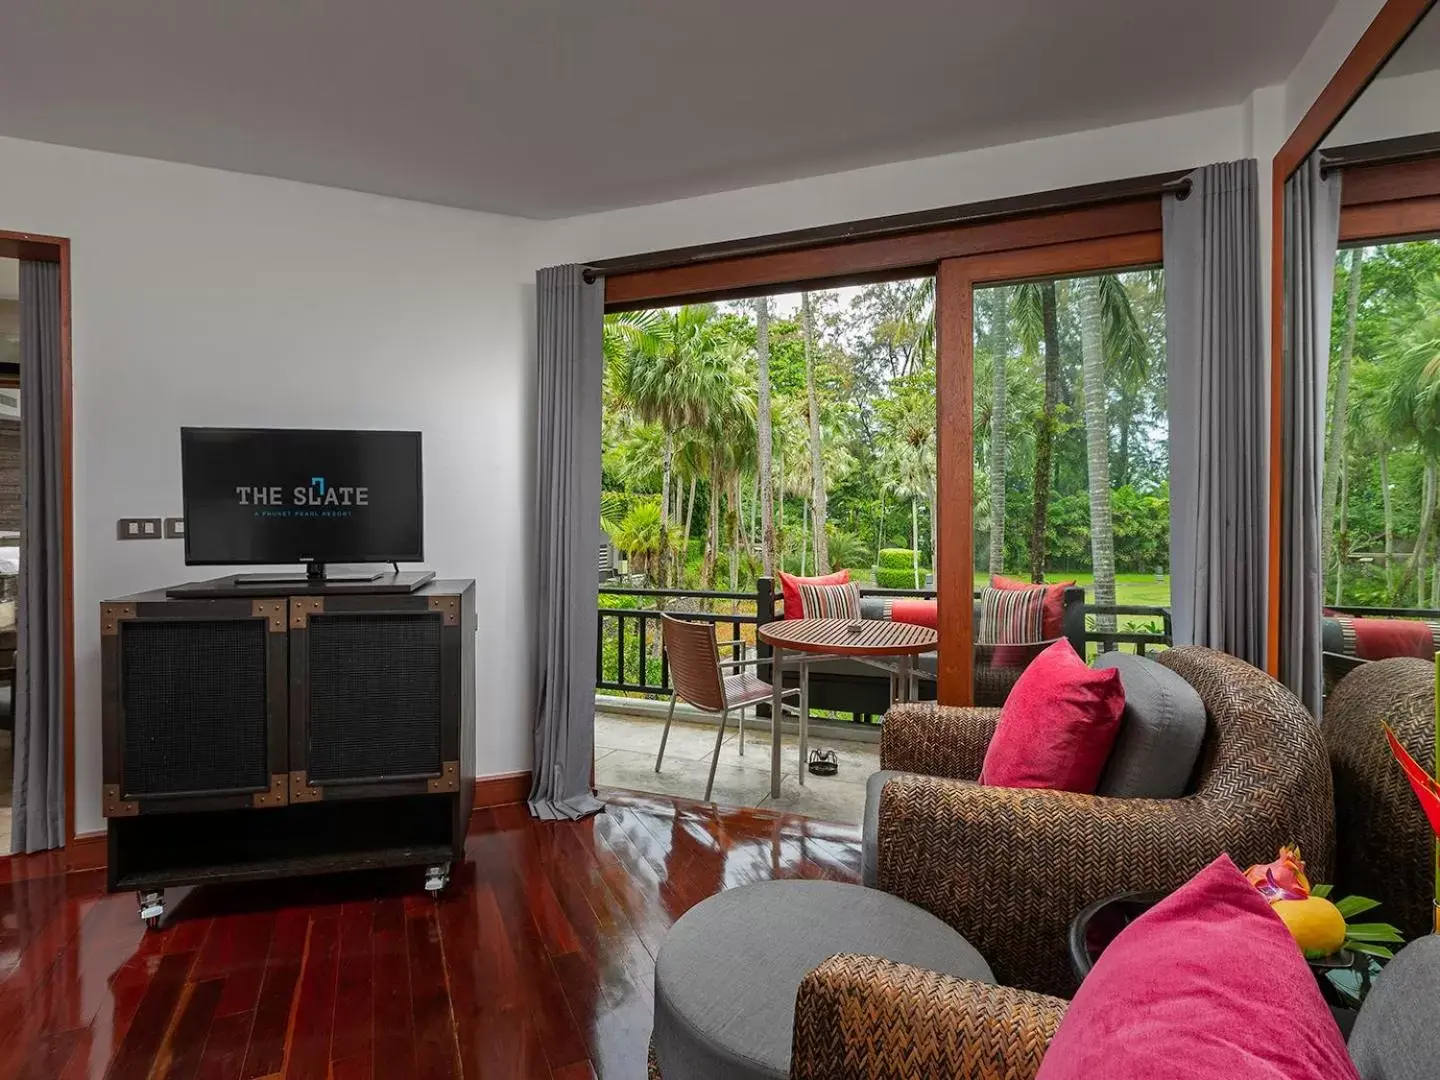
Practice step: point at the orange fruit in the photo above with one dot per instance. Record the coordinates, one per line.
(1315, 923)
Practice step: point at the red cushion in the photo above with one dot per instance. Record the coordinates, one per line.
(918, 612)
(1380, 639)
(790, 589)
(1057, 726)
(1054, 624)
(1206, 985)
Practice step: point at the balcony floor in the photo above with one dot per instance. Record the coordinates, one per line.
(625, 748)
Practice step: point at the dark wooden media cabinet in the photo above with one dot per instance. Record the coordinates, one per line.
(260, 737)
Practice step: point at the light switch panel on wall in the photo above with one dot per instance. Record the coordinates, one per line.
(174, 528)
(139, 529)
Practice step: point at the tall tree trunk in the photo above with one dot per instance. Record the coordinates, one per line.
(1339, 414)
(817, 462)
(1001, 348)
(804, 534)
(1387, 502)
(915, 540)
(712, 538)
(1097, 447)
(735, 531)
(667, 465)
(764, 437)
(1344, 531)
(880, 527)
(1045, 435)
(689, 524)
(1414, 572)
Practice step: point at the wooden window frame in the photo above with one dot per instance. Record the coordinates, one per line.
(1052, 243)
(1390, 202)
(955, 407)
(1385, 34)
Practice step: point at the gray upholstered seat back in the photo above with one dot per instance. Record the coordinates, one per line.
(1397, 1034)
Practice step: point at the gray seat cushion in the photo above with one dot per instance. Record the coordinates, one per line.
(1396, 1036)
(1160, 731)
(727, 973)
(870, 828)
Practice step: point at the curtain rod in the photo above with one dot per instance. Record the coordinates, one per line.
(1381, 152)
(1177, 184)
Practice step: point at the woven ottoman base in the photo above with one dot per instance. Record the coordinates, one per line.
(727, 973)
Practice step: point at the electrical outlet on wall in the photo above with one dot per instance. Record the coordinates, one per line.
(174, 528)
(139, 529)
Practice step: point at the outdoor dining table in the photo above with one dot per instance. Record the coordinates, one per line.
(872, 641)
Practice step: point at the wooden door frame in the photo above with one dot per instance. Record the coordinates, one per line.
(955, 443)
(41, 248)
(1389, 29)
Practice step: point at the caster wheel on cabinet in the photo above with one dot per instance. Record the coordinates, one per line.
(436, 878)
(152, 908)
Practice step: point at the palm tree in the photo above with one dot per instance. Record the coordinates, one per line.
(817, 463)
(1339, 414)
(1000, 351)
(764, 450)
(1412, 413)
(655, 362)
(1037, 320)
(908, 464)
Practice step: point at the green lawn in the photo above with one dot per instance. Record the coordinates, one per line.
(1142, 589)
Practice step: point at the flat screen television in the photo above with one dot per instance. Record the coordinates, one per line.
(264, 496)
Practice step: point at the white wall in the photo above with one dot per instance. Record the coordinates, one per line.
(204, 297)
(1039, 165)
(1327, 51)
(1391, 109)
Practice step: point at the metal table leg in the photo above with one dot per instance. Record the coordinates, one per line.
(804, 719)
(777, 685)
(903, 684)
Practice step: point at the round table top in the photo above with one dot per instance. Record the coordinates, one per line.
(876, 637)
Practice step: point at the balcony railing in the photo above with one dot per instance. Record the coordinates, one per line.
(629, 658)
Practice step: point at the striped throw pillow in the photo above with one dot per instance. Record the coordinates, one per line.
(830, 601)
(1011, 616)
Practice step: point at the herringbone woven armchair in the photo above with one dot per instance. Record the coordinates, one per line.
(1010, 868)
(1385, 848)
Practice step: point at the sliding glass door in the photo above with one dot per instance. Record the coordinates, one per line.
(1053, 456)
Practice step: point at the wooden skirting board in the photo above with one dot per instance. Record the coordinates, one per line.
(501, 790)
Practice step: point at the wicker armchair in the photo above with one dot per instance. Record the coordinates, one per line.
(863, 1018)
(1384, 846)
(1010, 868)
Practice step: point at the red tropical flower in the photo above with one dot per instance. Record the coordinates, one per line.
(1427, 789)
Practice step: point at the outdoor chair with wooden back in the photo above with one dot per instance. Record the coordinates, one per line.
(698, 675)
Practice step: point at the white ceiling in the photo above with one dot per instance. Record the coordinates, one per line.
(547, 108)
(1421, 50)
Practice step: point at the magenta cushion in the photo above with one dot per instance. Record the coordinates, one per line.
(1206, 985)
(1057, 726)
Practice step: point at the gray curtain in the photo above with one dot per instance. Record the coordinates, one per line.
(567, 509)
(1312, 237)
(38, 818)
(1217, 392)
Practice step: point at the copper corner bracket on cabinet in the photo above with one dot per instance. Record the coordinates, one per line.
(273, 611)
(276, 795)
(114, 806)
(302, 791)
(448, 606)
(302, 607)
(110, 616)
(448, 780)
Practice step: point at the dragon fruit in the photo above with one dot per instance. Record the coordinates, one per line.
(1283, 879)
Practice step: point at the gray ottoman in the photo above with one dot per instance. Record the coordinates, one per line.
(727, 973)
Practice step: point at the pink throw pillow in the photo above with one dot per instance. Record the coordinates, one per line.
(790, 590)
(1206, 985)
(1058, 725)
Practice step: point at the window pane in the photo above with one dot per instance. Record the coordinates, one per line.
(1071, 453)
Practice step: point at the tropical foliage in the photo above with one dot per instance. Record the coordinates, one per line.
(1379, 505)
(800, 432)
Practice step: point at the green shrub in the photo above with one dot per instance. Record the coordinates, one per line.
(900, 579)
(896, 558)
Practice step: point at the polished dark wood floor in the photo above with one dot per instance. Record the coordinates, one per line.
(537, 962)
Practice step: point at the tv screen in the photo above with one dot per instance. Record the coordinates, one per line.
(260, 496)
